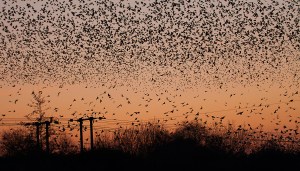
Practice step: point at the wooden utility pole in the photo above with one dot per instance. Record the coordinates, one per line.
(91, 132)
(37, 135)
(38, 124)
(80, 120)
(81, 136)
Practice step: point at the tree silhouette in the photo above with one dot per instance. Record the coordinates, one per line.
(17, 142)
(39, 107)
(38, 114)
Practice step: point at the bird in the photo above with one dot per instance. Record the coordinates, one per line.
(240, 113)
(157, 49)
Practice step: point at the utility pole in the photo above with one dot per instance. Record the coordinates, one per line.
(37, 135)
(80, 120)
(81, 136)
(37, 124)
(91, 132)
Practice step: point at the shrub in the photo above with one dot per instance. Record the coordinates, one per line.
(194, 131)
(62, 144)
(17, 142)
(137, 140)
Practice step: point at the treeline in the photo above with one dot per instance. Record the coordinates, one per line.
(152, 146)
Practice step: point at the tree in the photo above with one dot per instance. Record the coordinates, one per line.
(38, 105)
(17, 142)
(38, 114)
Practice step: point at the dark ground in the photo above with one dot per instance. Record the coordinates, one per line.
(178, 155)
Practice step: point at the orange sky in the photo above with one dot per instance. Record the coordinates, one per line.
(158, 66)
(215, 102)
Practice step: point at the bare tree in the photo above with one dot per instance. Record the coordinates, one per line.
(39, 107)
(39, 113)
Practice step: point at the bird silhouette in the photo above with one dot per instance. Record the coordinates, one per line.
(164, 45)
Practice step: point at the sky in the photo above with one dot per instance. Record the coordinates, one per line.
(164, 60)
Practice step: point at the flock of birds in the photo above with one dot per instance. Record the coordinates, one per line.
(195, 42)
(164, 45)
